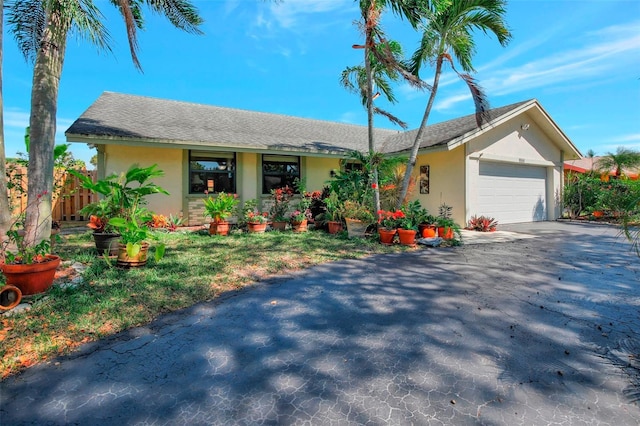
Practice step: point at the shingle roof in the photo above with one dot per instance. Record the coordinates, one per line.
(125, 117)
(115, 115)
(444, 132)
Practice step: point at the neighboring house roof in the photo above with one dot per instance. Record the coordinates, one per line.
(121, 118)
(588, 164)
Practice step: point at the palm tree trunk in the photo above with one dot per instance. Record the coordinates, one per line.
(5, 214)
(372, 146)
(42, 122)
(411, 162)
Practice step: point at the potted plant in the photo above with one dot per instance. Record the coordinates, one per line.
(357, 217)
(105, 236)
(332, 214)
(388, 223)
(427, 226)
(299, 220)
(29, 267)
(134, 236)
(218, 209)
(256, 220)
(121, 195)
(281, 199)
(447, 228)
(408, 226)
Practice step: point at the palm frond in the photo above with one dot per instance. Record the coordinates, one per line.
(181, 13)
(131, 23)
(85, 20)
(27, 21)
(390, 117)
(480, 99)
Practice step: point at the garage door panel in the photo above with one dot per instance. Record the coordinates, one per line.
(512, 193)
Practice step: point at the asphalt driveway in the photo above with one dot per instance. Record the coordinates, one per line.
(530, 331)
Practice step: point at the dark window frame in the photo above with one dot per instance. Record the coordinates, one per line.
(199, 180)
(286, 177)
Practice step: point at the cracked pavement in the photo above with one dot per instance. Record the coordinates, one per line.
(536, 331)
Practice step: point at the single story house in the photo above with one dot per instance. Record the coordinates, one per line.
(511, 168)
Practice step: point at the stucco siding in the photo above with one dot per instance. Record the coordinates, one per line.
(509, 142)
(118, 158)
(446, 182)
(317, 171)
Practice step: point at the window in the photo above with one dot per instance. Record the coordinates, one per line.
(212, 171)
(279, 171)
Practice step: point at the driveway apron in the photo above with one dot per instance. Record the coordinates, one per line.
(533, 331)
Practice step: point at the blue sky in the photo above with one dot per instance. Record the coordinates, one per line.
(579, 58)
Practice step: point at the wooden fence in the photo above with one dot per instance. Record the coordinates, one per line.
(67, 201)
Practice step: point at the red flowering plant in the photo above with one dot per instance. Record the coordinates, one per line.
(281, 198)
(390, 220)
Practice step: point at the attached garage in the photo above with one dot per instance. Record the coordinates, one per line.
(512, 193)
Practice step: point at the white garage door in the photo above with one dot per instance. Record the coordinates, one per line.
(512, 193)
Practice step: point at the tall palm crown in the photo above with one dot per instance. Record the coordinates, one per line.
(41, 28)
(447, 29)
(449, 24)
(622, 159)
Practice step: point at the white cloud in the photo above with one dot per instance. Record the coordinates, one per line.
(296, 13)
(605, 52)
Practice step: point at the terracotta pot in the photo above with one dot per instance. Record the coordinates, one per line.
(598, 213)
(107, 241)
(299, 226)
(278, 226)
(356, 228)
(386, 235)
(334, 227)
(34, 278)
(10, 297)
(136, 261)
(407, 236)
(445, 233)
(427, 231)
(257, 228)
(219, 228)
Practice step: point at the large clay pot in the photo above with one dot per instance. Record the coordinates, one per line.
(334, 227)
(355, 228)
(407, 237)
(299, 226)
(257, 228)
(126, 261)
(107, 241)
(426, 231)
(33, 278)
(386, 235)
(219, 228)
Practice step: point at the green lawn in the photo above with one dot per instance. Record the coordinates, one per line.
(196, 267)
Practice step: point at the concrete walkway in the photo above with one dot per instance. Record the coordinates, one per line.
(535, 331)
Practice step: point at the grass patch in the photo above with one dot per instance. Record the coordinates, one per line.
(196, 267)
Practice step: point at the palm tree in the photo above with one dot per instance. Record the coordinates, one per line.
(378, 54)
(41, 28)
(448, 29)
(354, 79)
(622, 159)
(5, 214)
